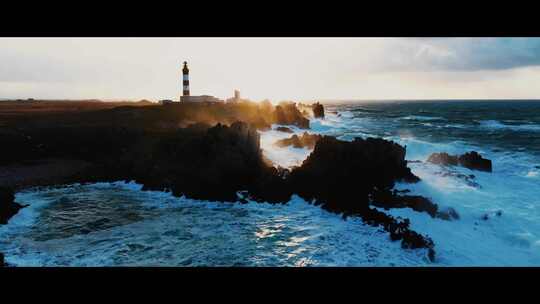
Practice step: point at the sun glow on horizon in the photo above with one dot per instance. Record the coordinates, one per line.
(299, 69)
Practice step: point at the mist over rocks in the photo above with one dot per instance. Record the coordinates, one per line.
(318, 110)
(315, 110)
(286, 113)
(306, 140)
(471, 160)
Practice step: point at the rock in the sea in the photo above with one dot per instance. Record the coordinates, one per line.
(475, 161)
(305, 141)
(443, 159)
(318, 110)
(341, 177)
(337, 170)
(286, 113)
(448, 214)
(387, 200)
(471, 160)
(8, 207)
(284, 129)
(2, 262)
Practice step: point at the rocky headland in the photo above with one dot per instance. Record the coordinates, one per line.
(212, 152)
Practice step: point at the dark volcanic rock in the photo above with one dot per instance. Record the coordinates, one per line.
(475, 161)
(211, 165)
(318, 110)
(284, 129)
(338, 170)
(443, 159)
(288, 114)
(2, 263)
(342, 176)
(8, 207)
(471, 160)
(387, 200)
(305, 141)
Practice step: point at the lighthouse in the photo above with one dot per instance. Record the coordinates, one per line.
(186, 97)
(185, 79)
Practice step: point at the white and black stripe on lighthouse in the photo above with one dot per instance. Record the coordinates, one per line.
(185, 79)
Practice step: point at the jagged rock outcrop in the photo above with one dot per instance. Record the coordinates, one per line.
(318, 110)
(338, 170)
(475, 161)
(286, 113)
(212, 164)
(471, 160)
(443, 159)
(342, 176)
(284, 129)
(390, 199)
(8, 207)
(305, 141)
(387, 200)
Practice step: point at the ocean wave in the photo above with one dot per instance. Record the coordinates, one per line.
(196, 233)
(422, 118)
(366, 110)
(497, 125)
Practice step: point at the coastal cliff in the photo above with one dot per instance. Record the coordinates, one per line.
(218, 157)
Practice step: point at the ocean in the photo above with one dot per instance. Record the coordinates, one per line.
(117, 224)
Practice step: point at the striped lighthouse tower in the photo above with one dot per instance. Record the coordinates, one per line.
(185, 79)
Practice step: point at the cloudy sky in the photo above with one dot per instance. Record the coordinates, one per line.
(274, 68)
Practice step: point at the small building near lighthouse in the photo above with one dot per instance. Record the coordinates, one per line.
(186, 94)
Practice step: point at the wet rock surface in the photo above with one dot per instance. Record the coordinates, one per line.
(471, 160)
(387, 200)
(475, 161)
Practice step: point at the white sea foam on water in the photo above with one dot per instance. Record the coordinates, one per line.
(283, 156)
(510, 239)
(183, 232)
(420, 117)
(497, 125)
